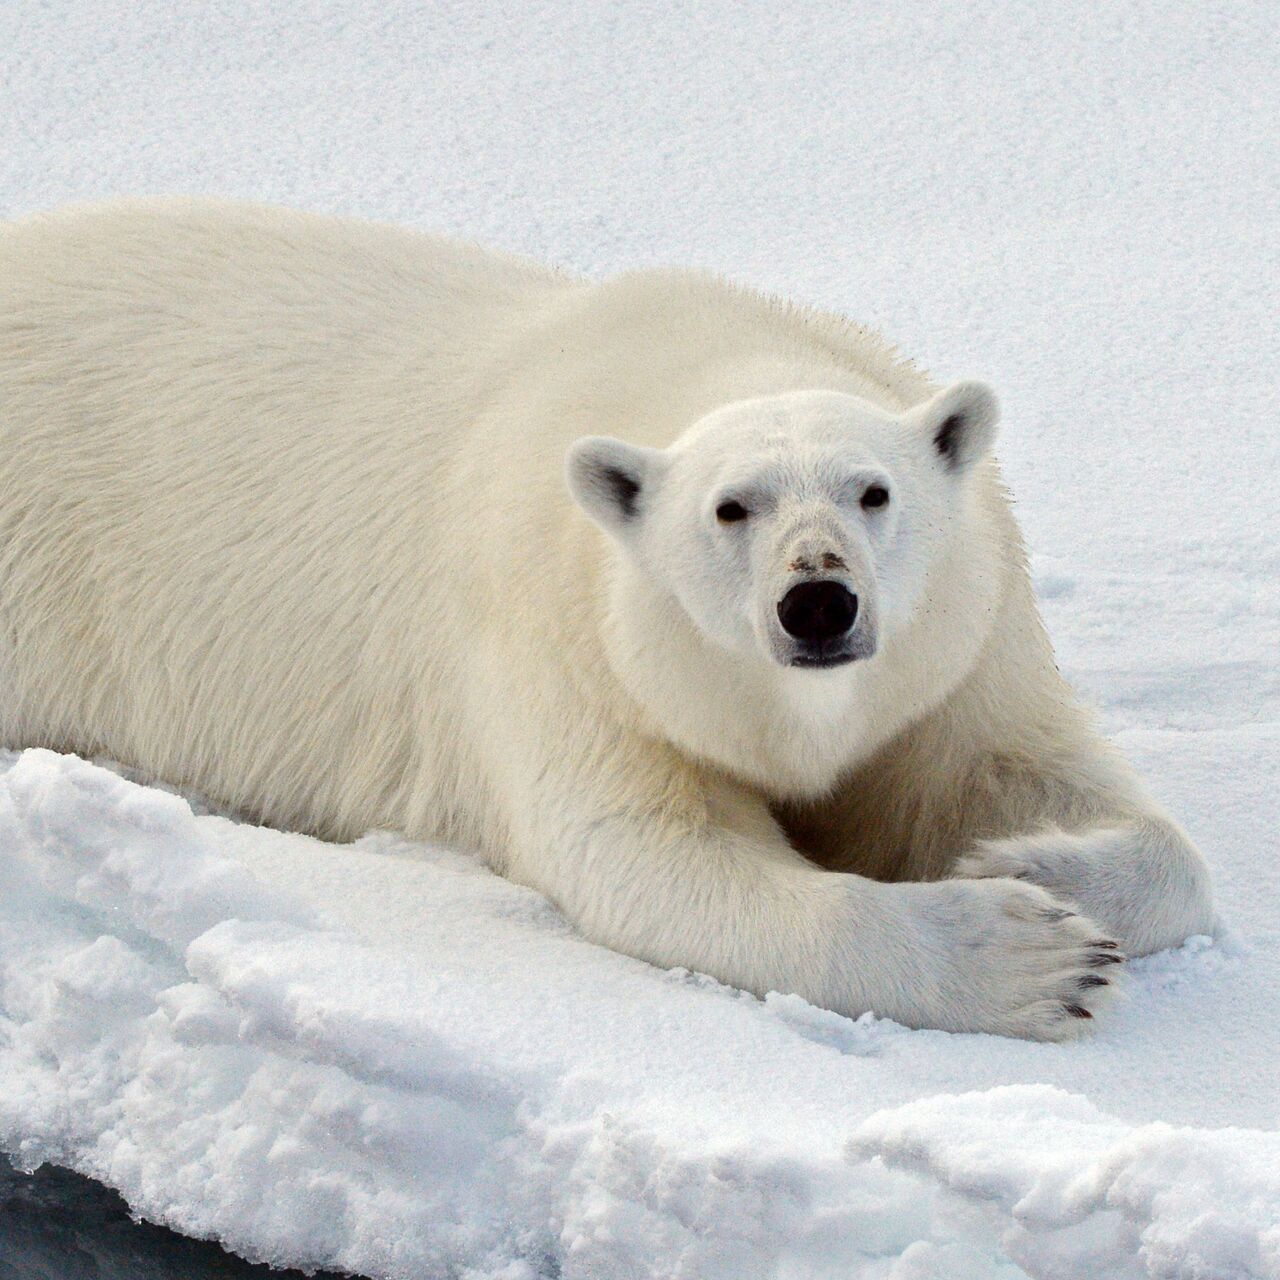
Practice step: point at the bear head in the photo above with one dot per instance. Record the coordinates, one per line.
(795, 529)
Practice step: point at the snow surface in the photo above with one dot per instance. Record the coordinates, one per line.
(383, 1058)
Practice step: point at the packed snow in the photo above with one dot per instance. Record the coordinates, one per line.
(383, 1058)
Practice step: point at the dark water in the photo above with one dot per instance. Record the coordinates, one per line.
(56, 1225)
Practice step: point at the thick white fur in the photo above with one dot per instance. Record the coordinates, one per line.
(283, 517)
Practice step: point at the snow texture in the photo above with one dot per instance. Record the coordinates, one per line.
(383, 1058)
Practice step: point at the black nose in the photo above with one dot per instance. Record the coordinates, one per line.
(817, 611)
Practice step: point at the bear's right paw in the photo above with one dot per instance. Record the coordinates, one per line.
(1018, 961)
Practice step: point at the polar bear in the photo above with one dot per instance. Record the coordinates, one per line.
(704, 615)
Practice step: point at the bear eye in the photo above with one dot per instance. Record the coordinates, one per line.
(876, 496)
(731, 512)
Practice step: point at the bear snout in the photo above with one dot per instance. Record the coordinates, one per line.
(816, 613)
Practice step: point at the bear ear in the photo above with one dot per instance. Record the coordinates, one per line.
(610, 479)
(960, 423)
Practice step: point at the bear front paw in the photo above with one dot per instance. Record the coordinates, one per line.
(1022, 963)
(1144, 880)
(1039, 861)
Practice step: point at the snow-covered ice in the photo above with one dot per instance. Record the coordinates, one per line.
(382, 1057)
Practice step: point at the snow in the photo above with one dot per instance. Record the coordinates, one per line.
(383, 1058)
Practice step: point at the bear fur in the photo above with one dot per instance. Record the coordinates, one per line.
(348, 526)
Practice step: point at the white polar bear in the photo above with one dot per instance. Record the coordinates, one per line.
(283, 517)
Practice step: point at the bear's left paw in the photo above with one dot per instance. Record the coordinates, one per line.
(1142, 881)
(1050, 860)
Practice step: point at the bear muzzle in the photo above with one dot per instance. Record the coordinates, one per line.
(820, 617)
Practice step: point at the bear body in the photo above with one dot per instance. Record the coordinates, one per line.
(704, 615)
